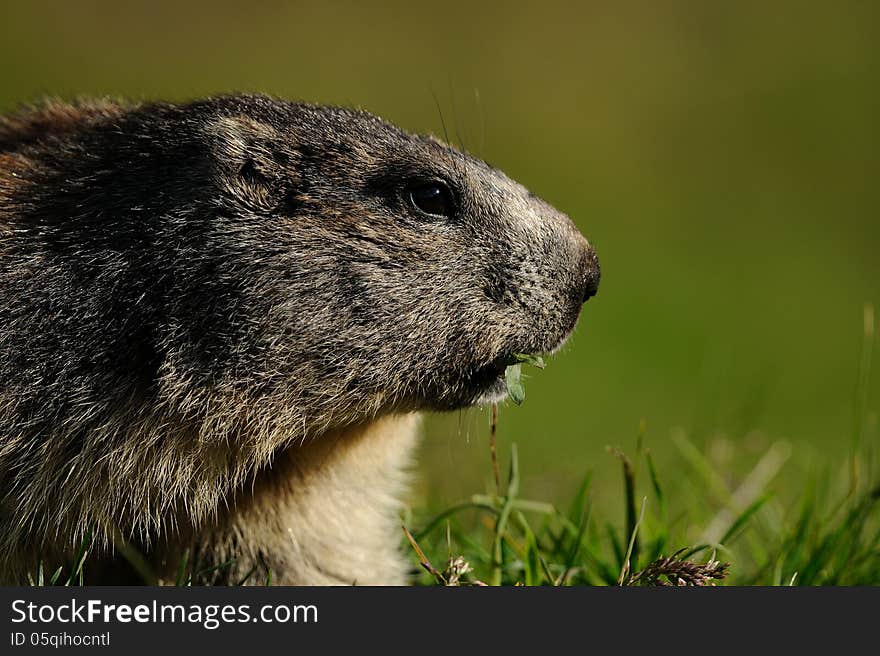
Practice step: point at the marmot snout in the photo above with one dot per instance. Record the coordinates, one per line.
(218, 319)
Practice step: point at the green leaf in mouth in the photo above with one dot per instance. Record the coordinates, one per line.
(513, 375)
(513, 379)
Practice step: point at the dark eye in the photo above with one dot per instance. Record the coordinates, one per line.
(432, 198)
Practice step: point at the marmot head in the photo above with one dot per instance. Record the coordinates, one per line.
(312, 260)
(386, 270)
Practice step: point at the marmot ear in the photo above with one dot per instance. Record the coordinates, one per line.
(255, 163)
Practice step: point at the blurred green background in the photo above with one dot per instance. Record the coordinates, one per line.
(722, 157)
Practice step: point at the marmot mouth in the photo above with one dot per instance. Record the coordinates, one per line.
(490, 379)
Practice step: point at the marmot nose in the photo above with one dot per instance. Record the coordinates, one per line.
(592, 274)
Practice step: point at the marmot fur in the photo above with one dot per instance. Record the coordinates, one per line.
(219, 321)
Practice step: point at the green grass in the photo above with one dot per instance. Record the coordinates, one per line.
(828, 533)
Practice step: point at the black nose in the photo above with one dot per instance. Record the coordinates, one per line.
(591, 276)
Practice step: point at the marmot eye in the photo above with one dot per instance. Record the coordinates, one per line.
(432, 198)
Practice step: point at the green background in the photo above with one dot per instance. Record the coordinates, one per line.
(722, 157)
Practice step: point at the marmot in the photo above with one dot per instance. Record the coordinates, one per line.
(219, 321)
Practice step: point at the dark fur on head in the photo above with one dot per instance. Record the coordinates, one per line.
(187, 291)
